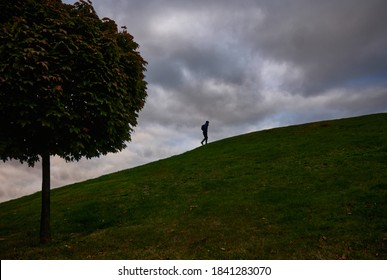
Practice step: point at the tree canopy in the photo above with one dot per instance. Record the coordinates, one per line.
(71, 83)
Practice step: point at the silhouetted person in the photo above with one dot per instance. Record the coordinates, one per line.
(205, 132)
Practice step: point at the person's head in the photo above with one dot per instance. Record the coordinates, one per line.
(207, 122)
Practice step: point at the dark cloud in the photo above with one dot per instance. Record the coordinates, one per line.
(333, 42)
(243, 65)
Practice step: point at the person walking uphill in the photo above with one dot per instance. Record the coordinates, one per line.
(205, 132)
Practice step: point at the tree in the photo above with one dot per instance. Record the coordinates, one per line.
(71, 85)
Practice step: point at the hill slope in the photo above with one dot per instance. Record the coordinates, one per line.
(313, 191)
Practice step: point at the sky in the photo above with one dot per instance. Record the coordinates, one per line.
(243, 65)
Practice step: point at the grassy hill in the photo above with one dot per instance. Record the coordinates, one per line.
(313, 191)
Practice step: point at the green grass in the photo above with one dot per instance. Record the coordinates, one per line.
(313, 191)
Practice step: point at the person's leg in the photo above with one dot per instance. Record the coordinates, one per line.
(204, 139)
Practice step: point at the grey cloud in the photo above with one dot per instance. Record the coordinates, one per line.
(234, 61)
(332, 41)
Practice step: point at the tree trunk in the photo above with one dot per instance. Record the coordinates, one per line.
(45, 234)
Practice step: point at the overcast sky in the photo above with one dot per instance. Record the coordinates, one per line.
(243, 65)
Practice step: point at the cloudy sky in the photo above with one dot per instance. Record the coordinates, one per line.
(243, 65)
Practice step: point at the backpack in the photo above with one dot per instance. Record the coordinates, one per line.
(203, 127)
